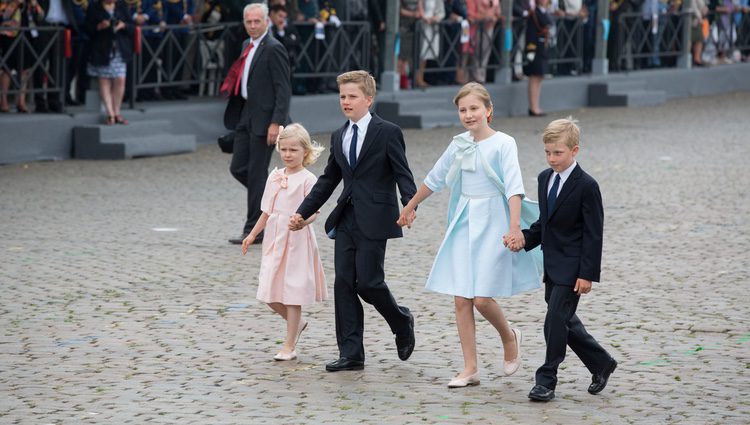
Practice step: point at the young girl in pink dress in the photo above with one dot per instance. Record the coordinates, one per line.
(291, 274)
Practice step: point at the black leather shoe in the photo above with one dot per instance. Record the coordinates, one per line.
(599, 380)
(405, 344)
(541, 393)
(536, 114)
(238, 241)
(345, 364)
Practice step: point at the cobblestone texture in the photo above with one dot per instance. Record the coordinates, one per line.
(106, 320)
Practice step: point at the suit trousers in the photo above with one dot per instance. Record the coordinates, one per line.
(360, 274)
(251, 157)
(563, 328)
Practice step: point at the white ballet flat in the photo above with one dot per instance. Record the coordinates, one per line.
(470, 380)
(282, 357)
(510, 367)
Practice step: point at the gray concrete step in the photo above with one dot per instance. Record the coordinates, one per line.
(135, 129)
(624, 93)
(439, 118)
(139, 139)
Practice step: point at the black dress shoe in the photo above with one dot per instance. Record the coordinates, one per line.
(541, 393)
(345, 364)
(536, 114)
(238, 241)
(599, 380)
(405, 344)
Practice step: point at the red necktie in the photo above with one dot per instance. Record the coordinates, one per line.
(231, 84)
(242, 68)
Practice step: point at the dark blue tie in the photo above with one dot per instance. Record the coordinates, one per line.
(353, 148)
(552, 197)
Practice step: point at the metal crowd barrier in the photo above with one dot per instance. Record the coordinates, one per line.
(199, 56)
(643, 43)
(344, 48)
(33, 46)
(566, 50)
(728, 32)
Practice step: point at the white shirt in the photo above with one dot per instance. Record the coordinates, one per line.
(563, 177)
(56, 14)
(361, 132)
(248, 60)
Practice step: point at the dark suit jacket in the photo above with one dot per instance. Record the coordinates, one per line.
(102, 40)
(371, 186)
(571, 237)
(269, 90)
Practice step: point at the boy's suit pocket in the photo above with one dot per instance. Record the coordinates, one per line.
(384, 198)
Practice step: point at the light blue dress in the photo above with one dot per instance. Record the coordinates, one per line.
(472, 260)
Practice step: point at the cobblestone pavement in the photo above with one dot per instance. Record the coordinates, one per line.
(123, 302)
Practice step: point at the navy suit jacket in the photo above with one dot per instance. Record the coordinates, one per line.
(269, 90)
(571, 236)
(371, 186)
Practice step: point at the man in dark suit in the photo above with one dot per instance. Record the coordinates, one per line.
(369, 155)
(256, 111)
(286, 33)
(570, 230)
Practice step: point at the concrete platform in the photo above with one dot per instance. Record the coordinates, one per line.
(39, 137)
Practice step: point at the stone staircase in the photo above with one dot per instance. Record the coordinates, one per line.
(624, 93)
(137, 139)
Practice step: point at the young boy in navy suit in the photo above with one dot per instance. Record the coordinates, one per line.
(369, 155)
(569, 228)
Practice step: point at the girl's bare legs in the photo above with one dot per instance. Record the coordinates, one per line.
(293, 316)
(419, 77)
(21, 99)
(535, 88)
(118, 92)
(467, 335)
(488, 308)
(105, 90)
(279, 308)
(4, 86)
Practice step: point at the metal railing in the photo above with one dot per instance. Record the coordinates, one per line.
(644, 43)
(184, 55)
(567, 50)
(28, 55)
(344, 48)
(728, 32)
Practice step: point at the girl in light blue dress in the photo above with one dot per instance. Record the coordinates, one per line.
(480, 167)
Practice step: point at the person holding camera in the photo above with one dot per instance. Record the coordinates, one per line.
(111, 30)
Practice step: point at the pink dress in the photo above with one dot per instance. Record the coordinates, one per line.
(290, 269)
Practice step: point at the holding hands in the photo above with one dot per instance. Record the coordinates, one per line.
(514, 240)
(296, 222)
(407, 217)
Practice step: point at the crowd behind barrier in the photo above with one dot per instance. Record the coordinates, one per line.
(174, 60)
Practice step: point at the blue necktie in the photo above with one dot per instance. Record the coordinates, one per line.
(353, 148)
(552, 197)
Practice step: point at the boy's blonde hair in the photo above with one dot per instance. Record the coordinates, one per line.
(564, 130)
(477, 90)
(311, 147)
(363, 79)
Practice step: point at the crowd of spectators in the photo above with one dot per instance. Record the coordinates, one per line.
(473, 25)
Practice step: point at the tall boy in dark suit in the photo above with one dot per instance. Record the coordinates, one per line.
(569, 228)
(369, 155)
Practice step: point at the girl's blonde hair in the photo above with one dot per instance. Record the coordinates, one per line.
(311, 147)
(479, 91)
